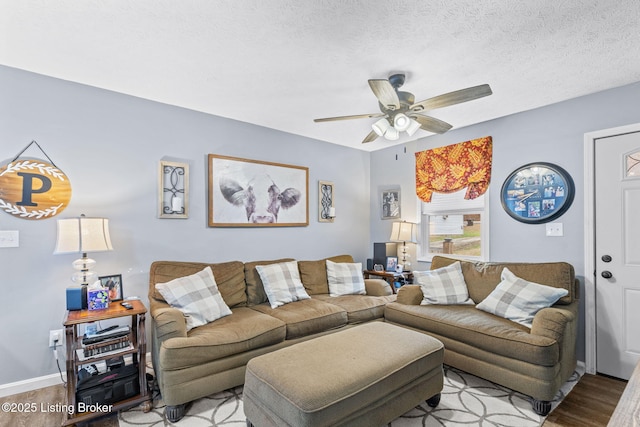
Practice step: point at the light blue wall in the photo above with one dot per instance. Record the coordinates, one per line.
(109, 145)
(550, 134)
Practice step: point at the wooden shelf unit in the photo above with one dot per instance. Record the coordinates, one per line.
(72, 320)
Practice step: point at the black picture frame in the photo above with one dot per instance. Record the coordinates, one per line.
(114, 284)
(537, 193)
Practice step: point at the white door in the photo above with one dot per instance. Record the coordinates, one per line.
(617, 252)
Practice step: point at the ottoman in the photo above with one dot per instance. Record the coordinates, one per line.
(366, 375)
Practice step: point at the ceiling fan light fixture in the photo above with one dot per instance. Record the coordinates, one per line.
(413, 127)
(381, 126)
(392, 134)
(401, 122)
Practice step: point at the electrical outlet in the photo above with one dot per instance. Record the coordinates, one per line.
(554, 229)
(54, 335)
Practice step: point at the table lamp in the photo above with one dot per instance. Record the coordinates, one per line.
(83, 235)
(404, 232)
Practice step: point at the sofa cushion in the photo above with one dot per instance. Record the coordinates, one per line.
(314, 273)
(244, 330)
(229, 278)
(255, 289)
(444, 285)
(306, 317)
(483, 277)
(345, 278)
(518, 299)
(359, 308)
(475, 328)
(282, 283)
(196, 296)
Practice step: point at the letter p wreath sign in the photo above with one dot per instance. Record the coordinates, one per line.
(33, 189)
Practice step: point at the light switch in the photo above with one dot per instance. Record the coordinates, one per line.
(9, 239)
(554, 229)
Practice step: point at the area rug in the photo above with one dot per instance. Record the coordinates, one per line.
(466, 401)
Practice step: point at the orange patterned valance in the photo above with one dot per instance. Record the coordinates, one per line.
(454, 167)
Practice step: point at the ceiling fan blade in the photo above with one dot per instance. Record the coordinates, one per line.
(357, 116)
(371, 137)
(386, 94)
(452, 98)
(431, 124)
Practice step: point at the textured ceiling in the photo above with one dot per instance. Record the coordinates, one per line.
(282, 63)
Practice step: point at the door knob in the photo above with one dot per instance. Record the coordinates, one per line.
(606, 274)
(606, 258)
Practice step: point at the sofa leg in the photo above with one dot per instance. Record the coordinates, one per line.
(434, 400)
(249, 423)
(541, 407)
(174, 413)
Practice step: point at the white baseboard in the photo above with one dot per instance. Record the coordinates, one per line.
(30, 384)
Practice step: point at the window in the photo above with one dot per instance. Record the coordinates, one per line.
(455, 227)
(633, 164)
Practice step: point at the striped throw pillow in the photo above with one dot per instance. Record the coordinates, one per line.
(345, 278)
(196, 296)
(282, 283)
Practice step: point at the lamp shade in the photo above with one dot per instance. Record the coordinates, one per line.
(401, 122)
(413, 127)
(381, 126)
(403, 232)
(81, 235)
(392, 134)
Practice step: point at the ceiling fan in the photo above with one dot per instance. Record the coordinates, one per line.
(400, 112)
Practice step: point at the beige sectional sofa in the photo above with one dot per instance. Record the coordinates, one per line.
(213, 357)
(535, 362)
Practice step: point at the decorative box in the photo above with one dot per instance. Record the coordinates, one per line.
(98, 299)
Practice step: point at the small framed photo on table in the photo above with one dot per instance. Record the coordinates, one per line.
(113, 284)
(392, 262)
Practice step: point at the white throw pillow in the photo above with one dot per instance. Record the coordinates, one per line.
(196, 296)
(282, 283)
(443, 285)
(519, 300)
(345, 278)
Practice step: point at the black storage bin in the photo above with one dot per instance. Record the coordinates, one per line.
(110, 387)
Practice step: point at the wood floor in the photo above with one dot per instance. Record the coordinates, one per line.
(590, 403)
(45, 415)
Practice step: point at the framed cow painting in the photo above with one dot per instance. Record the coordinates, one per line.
(253, 193)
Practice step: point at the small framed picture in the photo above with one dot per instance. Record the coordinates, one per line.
(390, 204)
(173, 190)
(392, 262)
(97, 299)
(113, 284)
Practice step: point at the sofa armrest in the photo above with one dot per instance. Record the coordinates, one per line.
(168, 322)
(552, 322)
(377, 287)
(410, 295)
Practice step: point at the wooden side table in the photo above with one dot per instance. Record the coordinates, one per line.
(407, 277)
(73, 339)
